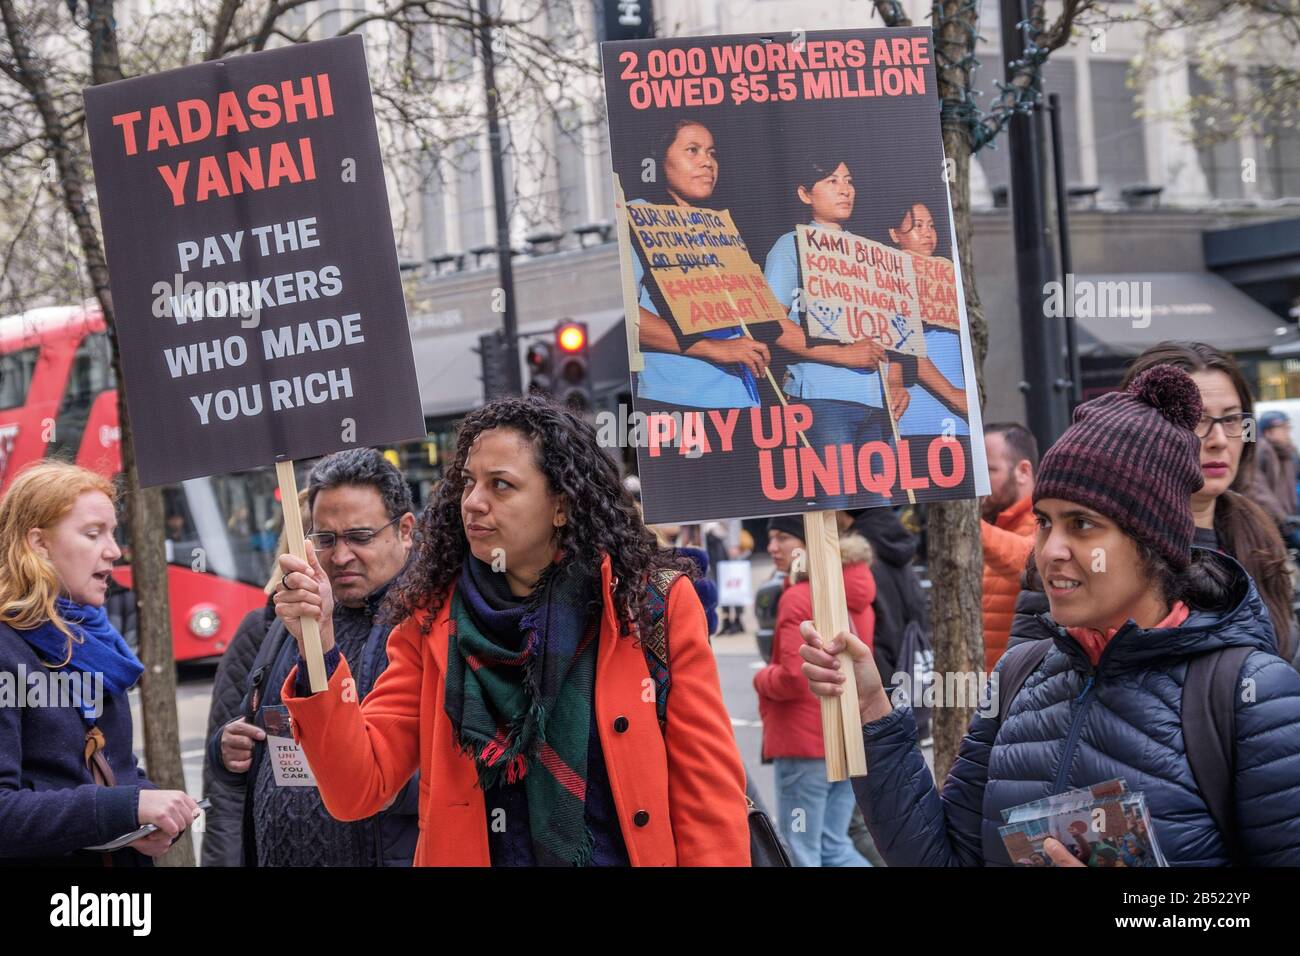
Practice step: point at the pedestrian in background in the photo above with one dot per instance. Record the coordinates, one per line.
(1007, 528)
(900, 600)
(1277, 474)
(722, 540)
(1226, 519)
(812, 813)
(223, 840)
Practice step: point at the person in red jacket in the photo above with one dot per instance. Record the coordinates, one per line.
(812, 814)
(1007, 530)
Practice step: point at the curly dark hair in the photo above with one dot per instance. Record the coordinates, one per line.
(602, 518)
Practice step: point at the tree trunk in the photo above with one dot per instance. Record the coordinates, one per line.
(144, 508)
(954, 549)
(145, 523)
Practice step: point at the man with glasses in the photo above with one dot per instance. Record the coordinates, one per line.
(361, 530)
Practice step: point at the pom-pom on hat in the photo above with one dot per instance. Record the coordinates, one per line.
(1134, 457)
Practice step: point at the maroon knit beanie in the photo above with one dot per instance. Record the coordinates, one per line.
(1133, 456)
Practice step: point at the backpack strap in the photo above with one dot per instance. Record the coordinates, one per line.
(1209, 716)
(1017, 664)
(654, 643)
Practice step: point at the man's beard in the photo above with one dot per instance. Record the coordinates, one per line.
(999, 500)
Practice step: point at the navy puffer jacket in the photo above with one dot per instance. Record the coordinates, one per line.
(1072, 725)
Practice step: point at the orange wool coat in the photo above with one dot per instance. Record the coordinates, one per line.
(1007, 545)
(680, 794)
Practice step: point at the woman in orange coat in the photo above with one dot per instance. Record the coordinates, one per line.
(527, 677)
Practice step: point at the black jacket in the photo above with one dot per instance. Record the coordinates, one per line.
(1075, 724)
(899, 596)
(1026, 624)
(223, 836)
(396, 829)
(50, 806)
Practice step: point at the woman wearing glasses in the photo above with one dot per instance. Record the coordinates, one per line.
(551, 674)
(1227, 520)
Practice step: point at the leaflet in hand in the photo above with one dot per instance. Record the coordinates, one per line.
(1101, 825)
(126, 839)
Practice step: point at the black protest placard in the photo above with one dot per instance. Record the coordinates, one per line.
(821, 155)
(255, 282)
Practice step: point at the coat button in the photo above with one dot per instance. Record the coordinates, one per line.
(620, 724)
(641, 818)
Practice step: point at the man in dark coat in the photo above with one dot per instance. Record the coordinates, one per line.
(362, 527)
(223, 823)
(899, 596)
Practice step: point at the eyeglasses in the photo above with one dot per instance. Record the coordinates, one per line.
(1232, 424)
(325, 540)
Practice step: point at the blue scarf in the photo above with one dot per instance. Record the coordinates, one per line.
(100, 650)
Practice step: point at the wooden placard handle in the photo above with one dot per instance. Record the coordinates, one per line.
(631, 297)
(841, 723)
(893, 423)
(297, 545)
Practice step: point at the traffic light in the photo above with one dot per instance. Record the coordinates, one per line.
(494, 357)
(573, 377)
(541, 371)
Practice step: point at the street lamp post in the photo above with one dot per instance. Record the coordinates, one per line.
(1046, 401)
(505, 267)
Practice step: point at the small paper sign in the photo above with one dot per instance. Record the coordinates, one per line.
(288, 763)
(735, 584)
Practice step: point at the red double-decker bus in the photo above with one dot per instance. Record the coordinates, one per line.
(58, 398)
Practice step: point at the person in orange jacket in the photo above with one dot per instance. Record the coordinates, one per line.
(812, 814)
(1007, 530)
(526, 677)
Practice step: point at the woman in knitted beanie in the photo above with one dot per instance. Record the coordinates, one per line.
(1132, 607)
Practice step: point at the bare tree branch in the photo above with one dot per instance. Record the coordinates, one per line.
(221, 28)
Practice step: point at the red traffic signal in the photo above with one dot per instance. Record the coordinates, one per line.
(538, 357)
(571, 336)
(541, 372)
(573, 365)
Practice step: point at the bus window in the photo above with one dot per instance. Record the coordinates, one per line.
(16, 370)
(92, 373)
(226, 525)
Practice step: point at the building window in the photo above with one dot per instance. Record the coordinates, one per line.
(1220, 162)
(433, 217)
(570, 169)
(469, 190)
(461, 46)
(1279, 148)
(1118, 133)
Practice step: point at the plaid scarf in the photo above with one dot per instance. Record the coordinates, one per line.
(520, 684)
